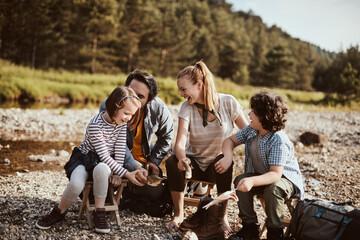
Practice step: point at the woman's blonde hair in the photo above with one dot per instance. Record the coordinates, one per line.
(200, 72)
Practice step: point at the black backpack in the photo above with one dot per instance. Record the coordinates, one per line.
(154, 201)
(317, 219)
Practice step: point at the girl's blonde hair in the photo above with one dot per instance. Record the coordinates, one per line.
(200, 72)
(117, 99)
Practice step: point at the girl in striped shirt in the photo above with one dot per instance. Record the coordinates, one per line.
(104, 144)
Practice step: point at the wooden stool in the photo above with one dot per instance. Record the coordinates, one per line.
(112, 207)
(195, 201)
(290, 203)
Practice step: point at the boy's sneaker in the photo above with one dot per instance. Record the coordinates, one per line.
(55, 216)
(99, 217)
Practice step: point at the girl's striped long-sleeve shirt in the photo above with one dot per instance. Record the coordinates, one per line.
(106, 140)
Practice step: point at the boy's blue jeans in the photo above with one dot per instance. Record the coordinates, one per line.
(274, 195)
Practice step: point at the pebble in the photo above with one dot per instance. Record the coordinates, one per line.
(2, 229)
(63, 153)
(6, 161)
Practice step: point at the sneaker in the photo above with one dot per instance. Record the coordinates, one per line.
(54, 217)
(99, 217)
(200, 191)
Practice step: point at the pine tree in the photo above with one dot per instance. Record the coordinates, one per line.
(257, 54)
(231, 52)
(102, 22)
(206, 49)
(349, 84)
(304, 68)
(279, 71)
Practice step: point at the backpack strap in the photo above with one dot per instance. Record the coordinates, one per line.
(345, 222)
(320, 212)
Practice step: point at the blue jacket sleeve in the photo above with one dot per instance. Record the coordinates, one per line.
(103, 106)
(129, 162)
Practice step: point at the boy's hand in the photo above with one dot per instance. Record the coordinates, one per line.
(245, 185)
(223, 165)
(181, 165)
(115, 180)
(132, 177)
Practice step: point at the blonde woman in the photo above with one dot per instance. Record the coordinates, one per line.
(206, 119)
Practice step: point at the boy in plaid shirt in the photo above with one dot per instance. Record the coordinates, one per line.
(271, 168)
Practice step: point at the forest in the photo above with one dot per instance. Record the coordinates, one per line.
(163, 36)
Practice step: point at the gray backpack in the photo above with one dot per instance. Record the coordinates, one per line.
(318, 219)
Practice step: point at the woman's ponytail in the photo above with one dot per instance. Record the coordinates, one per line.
(210, 94)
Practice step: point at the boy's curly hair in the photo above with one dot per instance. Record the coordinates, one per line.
(270, 109)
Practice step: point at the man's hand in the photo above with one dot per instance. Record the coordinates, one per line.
(223, 165)
(181, 164)
(152, 168)
(115, 180)
(245, 185)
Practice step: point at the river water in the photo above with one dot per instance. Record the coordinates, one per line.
(18, 152)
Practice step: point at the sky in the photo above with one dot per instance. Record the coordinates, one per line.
(333, 25)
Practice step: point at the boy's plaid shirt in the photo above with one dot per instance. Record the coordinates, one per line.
(275, 149)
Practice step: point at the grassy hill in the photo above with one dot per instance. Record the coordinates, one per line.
(24, 84)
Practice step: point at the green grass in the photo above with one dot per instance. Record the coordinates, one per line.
(36, 85)
(17, 82)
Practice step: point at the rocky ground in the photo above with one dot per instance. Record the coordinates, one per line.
(27, 191)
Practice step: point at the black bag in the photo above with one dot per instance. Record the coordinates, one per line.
(89, 160)
(154, 201)
(318, 219)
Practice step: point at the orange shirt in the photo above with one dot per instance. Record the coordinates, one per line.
(137, 150)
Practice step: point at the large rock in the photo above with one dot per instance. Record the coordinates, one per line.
(312, 138)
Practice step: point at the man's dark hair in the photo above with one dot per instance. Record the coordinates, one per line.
(145, 78)
(270, 109)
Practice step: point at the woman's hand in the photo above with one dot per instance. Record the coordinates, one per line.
(115, 180)
(132, 178)
(181, 164)
(245, 185)
(223, 164)
(152, 168)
